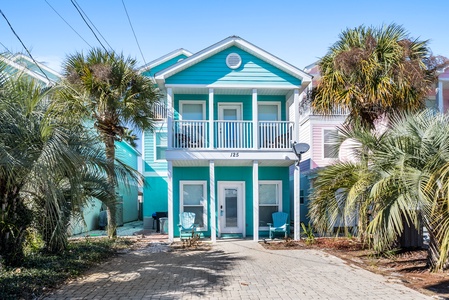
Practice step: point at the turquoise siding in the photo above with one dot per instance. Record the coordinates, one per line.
(150, 165)
(155, 195)
(227, 174)
(164, 65)
(253, 71)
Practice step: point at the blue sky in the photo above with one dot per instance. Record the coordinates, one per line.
(298, 32)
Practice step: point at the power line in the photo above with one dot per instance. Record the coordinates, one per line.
(67, 23)
(92, 23)
(75, 5)
(12, 29)
(135, 37)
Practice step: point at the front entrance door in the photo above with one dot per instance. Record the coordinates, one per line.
(230, 207)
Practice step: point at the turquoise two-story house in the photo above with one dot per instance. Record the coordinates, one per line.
(223, 145)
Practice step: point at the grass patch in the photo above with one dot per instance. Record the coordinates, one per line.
(42, 272)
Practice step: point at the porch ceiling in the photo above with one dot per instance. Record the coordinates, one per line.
(230, 91)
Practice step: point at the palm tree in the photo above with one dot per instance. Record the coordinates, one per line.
(375, 73)
(107, 88)
(401, 177)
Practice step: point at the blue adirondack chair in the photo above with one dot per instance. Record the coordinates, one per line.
(279, 224)
(186, 224)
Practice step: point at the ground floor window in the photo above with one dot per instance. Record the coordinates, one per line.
(193, 198)
(270, 195)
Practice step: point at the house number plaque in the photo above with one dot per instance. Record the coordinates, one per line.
(234, 154)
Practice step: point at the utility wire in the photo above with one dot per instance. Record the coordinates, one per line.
(92, 23)
(135, 37)
(12, 29)
(67, 23)
(75, 5)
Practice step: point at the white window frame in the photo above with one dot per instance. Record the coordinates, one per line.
(277, 103)
(204, 204)
(155, 145)
(279, 183)
(183, 102)
(323, 143)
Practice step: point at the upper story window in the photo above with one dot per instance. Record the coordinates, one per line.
(269, 111)
(330, 143)
(192, 110)
(160, 145)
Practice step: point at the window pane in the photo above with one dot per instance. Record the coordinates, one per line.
(268, 193)
(160, 153)
(268, 113)
(330, 151)
(330, 136)
(198, 210)
(161, 138)
(230, 114)
(265, 214)
(231, 207)
(192, 111)
(193, 194)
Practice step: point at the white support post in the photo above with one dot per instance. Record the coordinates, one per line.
(256, 200)
(169, 118)
(255, 121)
(296, 204)
(440, 97)
(211, 118)
(296, 114)
(213, 213)
(171, 227)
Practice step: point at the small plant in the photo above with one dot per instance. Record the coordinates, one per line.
(288, 242)
(193, 241)
(308, 231)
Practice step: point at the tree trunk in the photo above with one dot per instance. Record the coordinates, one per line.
(112, 205)
(433, 253)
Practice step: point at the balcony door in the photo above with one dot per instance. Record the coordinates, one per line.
(229, 125)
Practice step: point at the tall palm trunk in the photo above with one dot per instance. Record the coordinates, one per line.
(111, 205)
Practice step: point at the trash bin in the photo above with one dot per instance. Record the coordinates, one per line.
(164, 225)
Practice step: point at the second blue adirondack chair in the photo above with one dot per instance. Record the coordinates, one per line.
(280, 224)
(187, 224)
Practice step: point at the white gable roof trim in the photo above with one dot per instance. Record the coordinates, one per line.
(224, 44)
(164, 58)
(24, 70)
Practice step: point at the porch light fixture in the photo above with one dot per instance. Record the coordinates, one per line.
(300, 148)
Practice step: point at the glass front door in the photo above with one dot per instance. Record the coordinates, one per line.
(230, 210)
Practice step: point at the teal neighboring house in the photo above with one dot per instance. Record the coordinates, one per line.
(223, 145)
(128, 196)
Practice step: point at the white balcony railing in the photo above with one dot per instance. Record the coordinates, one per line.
(233, 134)
(275, 135)
(160, 111)
(190, 134)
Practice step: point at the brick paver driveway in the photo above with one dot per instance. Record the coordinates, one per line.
(231, 270)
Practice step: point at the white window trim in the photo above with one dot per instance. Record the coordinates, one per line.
(277, 103)
(182, 102)
(322, 143)
(279, 183)
(181, 200)
(155, 146)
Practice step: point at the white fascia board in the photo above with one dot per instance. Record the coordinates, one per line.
(20, 55)
(164, 58)
(22, 69)
(224, 44)
(206, 155)
(228, 86)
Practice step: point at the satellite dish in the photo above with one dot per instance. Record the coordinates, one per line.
(301, 148)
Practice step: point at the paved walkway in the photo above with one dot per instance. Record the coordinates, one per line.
(231, 270)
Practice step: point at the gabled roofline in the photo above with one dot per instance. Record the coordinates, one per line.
(164, 58)
(20, 55)
(224, 44)
(24, 70)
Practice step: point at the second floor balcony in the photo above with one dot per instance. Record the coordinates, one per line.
(265, 135)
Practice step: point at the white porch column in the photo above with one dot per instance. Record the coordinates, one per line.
(255, 121)
(169, 118)
(211, 118)
(440, 97)
(296, 114)
(213, 215)
(297, 205)
(256, 200)
(171, 227)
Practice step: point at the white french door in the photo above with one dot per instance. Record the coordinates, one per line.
(230, 126)
(231, 212)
